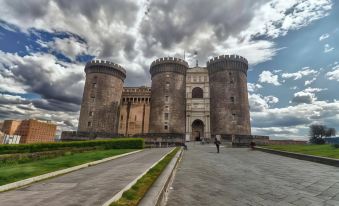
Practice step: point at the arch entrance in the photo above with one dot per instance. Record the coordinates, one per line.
(197, 130)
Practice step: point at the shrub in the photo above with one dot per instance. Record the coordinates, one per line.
(121, 143)
(317, 140)
(336, 145)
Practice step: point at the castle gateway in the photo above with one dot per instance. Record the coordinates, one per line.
(197, 102)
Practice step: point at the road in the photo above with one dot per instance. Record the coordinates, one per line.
(239, 176)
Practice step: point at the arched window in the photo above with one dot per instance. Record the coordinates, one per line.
(197, 92)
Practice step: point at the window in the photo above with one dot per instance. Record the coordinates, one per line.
(233, 116)
(89, 124)
(135, 118)
(231, 81)
(93, 98)
(197, 92)
(122, 117)
(166, 127)
(167, 85)
(232, 99)
(166, 116)
(90, 113)
(166, 98)
(94, 85)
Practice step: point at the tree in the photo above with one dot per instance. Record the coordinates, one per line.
(318, 131)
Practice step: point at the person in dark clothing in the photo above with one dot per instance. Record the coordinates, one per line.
(217, 143)
(252, 145)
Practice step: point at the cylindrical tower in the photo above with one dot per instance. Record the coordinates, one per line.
(229, 99)
(101, 98)
(167, 112)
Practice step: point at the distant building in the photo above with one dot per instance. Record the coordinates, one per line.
(30, 131)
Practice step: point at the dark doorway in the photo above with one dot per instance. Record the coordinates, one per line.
(197, 130)
(197, 92)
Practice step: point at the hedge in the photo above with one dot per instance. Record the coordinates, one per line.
(121, 143)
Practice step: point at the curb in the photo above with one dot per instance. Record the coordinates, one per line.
(28, 181)
(157, 194)
(311, 158)
(118, 195)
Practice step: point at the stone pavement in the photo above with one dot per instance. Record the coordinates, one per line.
(239, 176)
(89, 186)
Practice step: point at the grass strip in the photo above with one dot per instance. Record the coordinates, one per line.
(133, 196)
(325, 150)
(13, 173)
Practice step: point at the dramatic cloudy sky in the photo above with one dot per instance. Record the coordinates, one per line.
(292, 47)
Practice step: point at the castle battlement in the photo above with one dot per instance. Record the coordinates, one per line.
(172, 60)
(177, 65)
(106, 67)
(105, 63)
(232, 57)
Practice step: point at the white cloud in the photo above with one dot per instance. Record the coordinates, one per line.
(70, 47)
(294, 120)
(324, 36)
(268, 77)
(259, 103)
(306, 71)
(328, 48)
(253, 87)
(308, 82)
(334, 74)
(276, 18)
(271, 99)
(42, 74)
(306, 96)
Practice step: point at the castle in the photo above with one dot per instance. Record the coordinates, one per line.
(195, 102)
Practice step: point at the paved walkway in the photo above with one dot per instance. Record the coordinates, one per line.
(238, 176)
(90, 186)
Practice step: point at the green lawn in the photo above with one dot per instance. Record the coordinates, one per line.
(12, 173)
(317, 150)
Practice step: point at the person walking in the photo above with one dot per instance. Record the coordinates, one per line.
(217, 142)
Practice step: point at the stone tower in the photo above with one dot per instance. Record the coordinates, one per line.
(167, 113)
(229, 98)
(101, 98)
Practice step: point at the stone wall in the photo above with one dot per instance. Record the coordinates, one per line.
(229, 97)
(101, 98)
(134, 111)
(167, 112)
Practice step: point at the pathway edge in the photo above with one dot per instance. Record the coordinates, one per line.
(118, 195)
(311, 158)
(157, 194)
